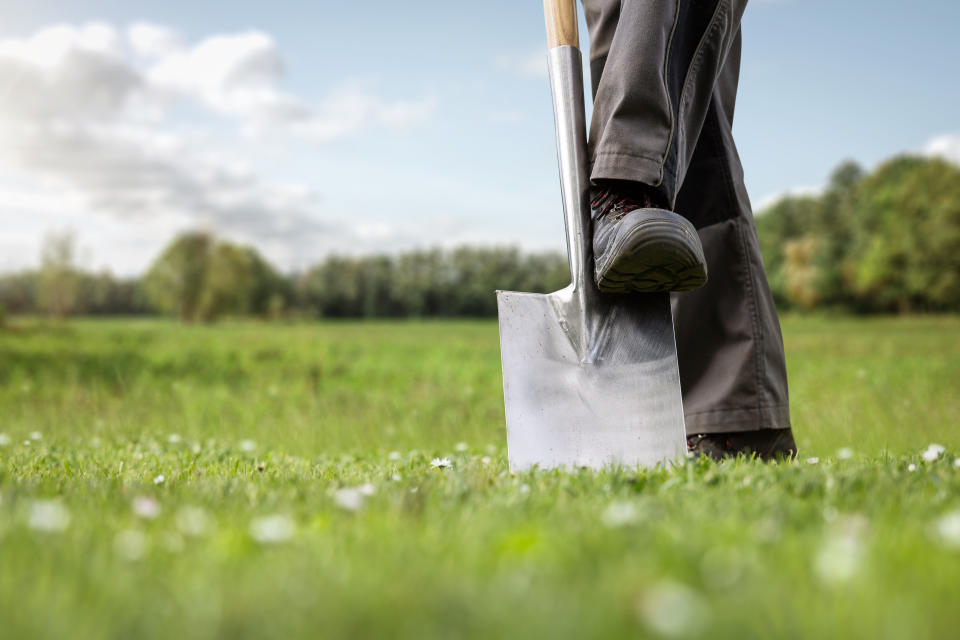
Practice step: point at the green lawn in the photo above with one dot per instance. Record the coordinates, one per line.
(298, 499)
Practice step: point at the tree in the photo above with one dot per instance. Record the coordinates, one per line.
(59, 277)
(786, 221)
(176, 280)
(885, 241)
(239, 282)
(905, 252)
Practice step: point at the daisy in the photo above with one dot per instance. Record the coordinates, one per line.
(441, 463)
(48, 516)
(145, 507)
(933, 452)
(272, 529)
(349, 499)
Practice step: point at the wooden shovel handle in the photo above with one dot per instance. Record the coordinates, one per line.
(561, 17)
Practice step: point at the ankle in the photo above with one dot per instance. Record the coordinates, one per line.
(646, 195)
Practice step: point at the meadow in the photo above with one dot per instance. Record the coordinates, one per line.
(350, 480)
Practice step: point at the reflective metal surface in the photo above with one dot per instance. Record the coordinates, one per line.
(589, 380)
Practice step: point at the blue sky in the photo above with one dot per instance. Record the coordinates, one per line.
(379, 126)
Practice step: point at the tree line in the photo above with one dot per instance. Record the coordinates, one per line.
(199, 278)
(884, 241)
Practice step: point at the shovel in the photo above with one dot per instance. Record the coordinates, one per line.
(589, 379)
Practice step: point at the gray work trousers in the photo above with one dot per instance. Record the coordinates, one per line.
(665, 76)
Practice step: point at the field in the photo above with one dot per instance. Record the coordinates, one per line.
(257, 480)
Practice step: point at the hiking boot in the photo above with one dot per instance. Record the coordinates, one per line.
(766, 444)
(639, 246)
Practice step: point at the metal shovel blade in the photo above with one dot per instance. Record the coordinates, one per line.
(588, 379)
(616, 404)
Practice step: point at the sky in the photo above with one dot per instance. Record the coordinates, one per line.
(308, 128)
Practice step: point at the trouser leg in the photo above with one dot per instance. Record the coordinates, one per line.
(732, 368)
(658, 62)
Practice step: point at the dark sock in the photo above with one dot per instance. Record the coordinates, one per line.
(647, 196)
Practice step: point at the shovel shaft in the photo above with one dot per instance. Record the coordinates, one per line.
(566, 84)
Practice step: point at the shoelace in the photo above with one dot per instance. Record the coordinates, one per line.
(607, 201)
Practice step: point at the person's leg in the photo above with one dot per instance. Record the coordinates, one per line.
(732, 368)
(654, 64)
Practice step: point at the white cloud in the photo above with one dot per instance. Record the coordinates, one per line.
(150, 40)
(795, 192)
(86, 112)
(946, 146)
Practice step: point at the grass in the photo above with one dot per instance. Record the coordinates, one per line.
(298, 498)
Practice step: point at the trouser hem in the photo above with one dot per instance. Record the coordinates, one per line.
(737, 420)
(622, 165)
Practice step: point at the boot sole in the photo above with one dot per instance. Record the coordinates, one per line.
(661, 252)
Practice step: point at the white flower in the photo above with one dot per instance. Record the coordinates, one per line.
(193, 521)
(247, 445)
(441, 463)
(673, 609)
(486, 459)
(461, 447)
(844, 453)
(35, 435)
(146, 507)
(272, 529)
(956, 463)
(367, 489)
(350, 498)
(947, 528)
(840, 556)
(933, 452)
(911, 467)
(4, 439)
(396, 477)
(159, 479)
(173, 438)
(130, 544)
(48, 516)
(394, 456)
(813, 460)
(619, 514)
